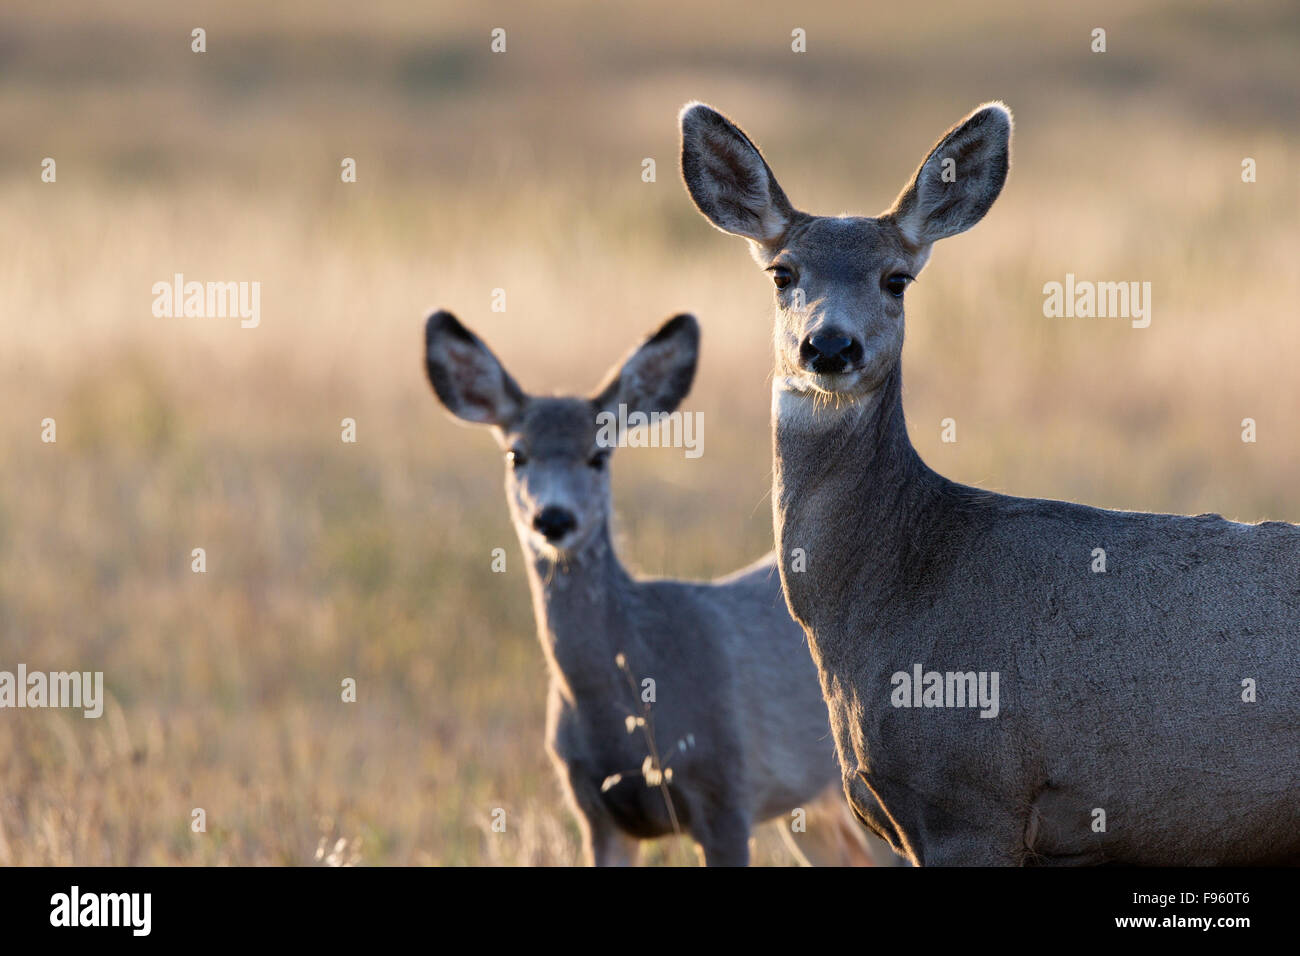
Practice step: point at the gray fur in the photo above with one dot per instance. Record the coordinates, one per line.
(1121, 691)
(731, 669)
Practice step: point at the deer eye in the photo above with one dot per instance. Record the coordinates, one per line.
(782, 277)
(598, 460)
(516, 458)
(896, 284)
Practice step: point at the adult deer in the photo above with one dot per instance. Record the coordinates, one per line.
(1149, 713)
(739, 732)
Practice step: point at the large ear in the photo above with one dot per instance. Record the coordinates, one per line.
(465, 374)
(658, 373)
(945, 198)
(728, 178)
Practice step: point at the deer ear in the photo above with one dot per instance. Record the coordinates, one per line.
(728, 178)
(959, 180)
(466, 376)
(659, 372)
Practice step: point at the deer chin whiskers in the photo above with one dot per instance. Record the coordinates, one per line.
(802, 407)
(825, 392)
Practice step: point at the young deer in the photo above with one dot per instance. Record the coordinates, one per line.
(1129, 729)
(739, 719)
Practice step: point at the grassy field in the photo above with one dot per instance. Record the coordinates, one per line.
(522, 171)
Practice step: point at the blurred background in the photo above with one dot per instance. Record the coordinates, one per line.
(522, 171)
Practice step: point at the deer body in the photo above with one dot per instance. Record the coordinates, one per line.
(727, 665)
(733, 728)
(1123, 734)
(1121, 689)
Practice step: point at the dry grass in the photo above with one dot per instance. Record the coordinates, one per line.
(371, 560)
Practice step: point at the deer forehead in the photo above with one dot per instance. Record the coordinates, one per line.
(843, 248)
(557, 427)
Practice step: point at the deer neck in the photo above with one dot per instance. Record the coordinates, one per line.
(582, 606)
(851, 491)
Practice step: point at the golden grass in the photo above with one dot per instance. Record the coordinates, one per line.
(371, 561)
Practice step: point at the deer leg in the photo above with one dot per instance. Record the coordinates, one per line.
(725, 842)
(610, 846)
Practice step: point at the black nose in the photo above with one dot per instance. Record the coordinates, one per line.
(554, 523)
(829, 352)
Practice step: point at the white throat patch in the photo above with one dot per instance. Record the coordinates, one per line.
(797, 404)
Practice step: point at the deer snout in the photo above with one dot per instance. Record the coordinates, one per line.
(554, 522)
(829, 351)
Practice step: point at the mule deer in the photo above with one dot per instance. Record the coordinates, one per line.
(1124, 732)
(738, 701)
